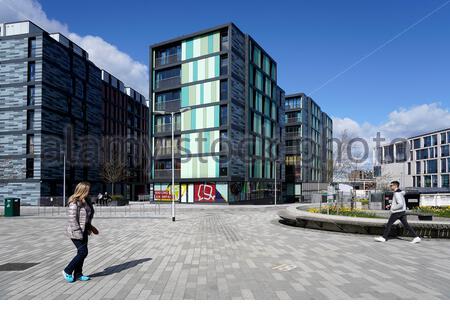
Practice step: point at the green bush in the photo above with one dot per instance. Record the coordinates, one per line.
(364, 202)
(117, 197)
(344, 212)
(435, 211)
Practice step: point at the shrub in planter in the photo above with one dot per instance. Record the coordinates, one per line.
(118, 200)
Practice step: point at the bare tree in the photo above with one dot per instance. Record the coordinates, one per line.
(345, 157)
(114, 171)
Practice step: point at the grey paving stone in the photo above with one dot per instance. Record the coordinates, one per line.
(218, 253)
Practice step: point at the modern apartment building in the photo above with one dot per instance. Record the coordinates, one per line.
(309, 153)
(228, 110)
(51, 110)
(420, 162)
(125, 132)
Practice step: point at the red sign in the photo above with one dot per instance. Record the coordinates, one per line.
(205, 192)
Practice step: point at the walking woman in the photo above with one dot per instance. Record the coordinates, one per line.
(81, 213)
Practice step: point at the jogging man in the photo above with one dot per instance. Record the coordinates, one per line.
(398, 212)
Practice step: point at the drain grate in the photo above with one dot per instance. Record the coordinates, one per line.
(284, 267)
(16, 266)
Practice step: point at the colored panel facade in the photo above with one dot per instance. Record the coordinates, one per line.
(204, 78)
(199, 70)
(200, 46)
(202, 93)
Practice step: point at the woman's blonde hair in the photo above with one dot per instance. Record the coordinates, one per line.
(81, 192)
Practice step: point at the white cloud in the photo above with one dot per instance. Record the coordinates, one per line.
(401, 123)
(102, 53)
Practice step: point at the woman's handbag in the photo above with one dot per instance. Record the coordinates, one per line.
(94, 230)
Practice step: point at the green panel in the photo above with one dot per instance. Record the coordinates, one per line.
(208, 92)
(194, 168)
(202, 69)
(200, 46)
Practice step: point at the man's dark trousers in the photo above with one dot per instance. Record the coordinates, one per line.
(398, 216)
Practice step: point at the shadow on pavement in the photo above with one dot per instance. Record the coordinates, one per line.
(119, 268)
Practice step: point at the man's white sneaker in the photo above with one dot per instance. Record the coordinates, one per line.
(380, 239)
(416, 240)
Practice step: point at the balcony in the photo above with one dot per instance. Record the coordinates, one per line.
(168, 105)
(293, 150)
(173, 58)
(166, 173)
(167, 127)
(294, 120)
(168, 82)
(293, 135)
(166, 151)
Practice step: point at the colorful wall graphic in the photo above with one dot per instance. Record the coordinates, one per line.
(210, 192)
(163, 191)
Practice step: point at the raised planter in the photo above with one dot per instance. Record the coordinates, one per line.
(118, 203)
(371, 226)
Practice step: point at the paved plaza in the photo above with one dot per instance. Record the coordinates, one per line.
(217, 252)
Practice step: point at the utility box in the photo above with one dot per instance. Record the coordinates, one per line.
(12, 207)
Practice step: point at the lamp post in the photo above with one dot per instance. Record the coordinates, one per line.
(64, 179)
(172, 115)
(275, 168)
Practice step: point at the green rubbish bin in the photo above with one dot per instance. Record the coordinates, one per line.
(12, 207)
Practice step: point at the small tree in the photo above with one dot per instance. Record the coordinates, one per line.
(114, 171)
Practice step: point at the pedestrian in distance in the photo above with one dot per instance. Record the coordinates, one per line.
(99, 198)
(81, 213)
(398, 212)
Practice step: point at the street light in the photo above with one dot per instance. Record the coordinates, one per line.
(64, 178)
(275, 168)
(172, 114)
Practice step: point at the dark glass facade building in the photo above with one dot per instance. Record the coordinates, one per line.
(308, 138)
(51, 109)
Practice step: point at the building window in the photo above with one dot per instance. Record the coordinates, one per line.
(30, 168)
(224, 44)
(223, 90)
(443, 138)
(443, 165)
(418, 169)
(445, 181)
(417, 143)
(30, 119)
(223, 141)
(432, 166)
(445, 151)
(32, 47)
(223, 115)
(30, 144)
(434, 181)
(223, 65)
(409, 168)
(31, 71)
(223, 166)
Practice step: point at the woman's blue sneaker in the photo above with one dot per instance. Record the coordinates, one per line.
(67, 277)
(83, 278)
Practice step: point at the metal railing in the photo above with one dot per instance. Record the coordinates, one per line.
(292, 149)
(166, 151)
(168, 82)
(168, 105)
(294, 120)
(167, 127)
(173, 58)
(166, 173)
(293, 135)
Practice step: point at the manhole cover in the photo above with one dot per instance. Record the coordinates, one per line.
(284, 267)
(16, 266)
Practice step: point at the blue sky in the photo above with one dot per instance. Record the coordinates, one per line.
(312, 41)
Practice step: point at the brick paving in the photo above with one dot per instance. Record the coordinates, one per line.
(217, 252)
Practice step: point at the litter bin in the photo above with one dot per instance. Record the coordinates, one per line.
(12, 207)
